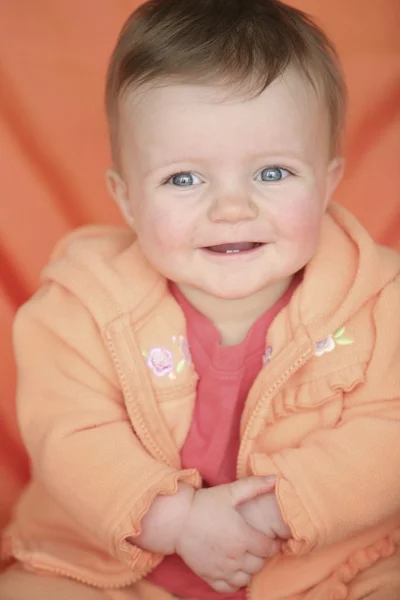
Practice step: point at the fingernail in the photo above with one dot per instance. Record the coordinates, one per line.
(270, 479)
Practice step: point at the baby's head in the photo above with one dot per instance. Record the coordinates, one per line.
(225, 121)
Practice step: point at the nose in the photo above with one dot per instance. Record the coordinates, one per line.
(232, 207)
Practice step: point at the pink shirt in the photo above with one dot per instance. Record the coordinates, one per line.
(226, 374)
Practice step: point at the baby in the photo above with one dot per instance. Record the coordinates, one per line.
(210, 397)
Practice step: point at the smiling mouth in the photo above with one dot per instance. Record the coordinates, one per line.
(234, 248)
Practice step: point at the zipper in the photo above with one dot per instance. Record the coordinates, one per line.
(150, 444)
(168, 454)
(273, 389)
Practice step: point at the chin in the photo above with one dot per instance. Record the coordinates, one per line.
(234, 292)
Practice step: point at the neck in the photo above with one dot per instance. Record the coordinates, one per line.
(234, 318)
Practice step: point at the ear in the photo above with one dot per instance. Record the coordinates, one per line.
(334, 177)
(118, 190)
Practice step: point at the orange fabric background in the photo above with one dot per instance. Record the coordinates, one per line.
(53, 148)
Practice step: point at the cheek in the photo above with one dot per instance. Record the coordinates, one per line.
(301, 221)
(165, 231)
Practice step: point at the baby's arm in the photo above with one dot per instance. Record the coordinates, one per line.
(75, 427)
(161, 526)
(344, 480)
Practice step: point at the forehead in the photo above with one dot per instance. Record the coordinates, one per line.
(215, 121)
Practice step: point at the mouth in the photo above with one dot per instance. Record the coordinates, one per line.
(234, 248)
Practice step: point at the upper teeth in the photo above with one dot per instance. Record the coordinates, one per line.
(232, 251)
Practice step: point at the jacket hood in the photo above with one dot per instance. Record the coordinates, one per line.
(348, 270)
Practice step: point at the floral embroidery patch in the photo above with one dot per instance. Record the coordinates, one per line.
(161, 360)
(267, 356)
(329, 343)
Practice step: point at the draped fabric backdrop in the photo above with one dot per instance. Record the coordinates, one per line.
(53, 145)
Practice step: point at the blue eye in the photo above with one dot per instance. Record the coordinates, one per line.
(184, 179)
(274, 174)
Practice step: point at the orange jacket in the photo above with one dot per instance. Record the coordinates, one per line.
(106, 393)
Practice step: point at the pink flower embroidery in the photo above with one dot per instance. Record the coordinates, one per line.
(325, 345)
(331, 341)
(267, 355)
(160, 361)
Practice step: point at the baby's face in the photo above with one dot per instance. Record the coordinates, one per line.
(226, 195)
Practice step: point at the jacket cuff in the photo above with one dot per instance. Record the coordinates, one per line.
(166, 484)
(305, 533)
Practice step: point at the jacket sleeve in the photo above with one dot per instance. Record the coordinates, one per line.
(342, 481)
(75, 427)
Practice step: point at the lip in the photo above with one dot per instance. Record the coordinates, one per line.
(245, 255)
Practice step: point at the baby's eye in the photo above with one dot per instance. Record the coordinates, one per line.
(185, 179)
(274, 174)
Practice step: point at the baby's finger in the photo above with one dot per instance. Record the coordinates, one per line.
(220, 586)
(240, 579)
(283, 531)
(252, 564)
(261, 545)
(246, 489)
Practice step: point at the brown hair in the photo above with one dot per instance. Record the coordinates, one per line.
(232, 41)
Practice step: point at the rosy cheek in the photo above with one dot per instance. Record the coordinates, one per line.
(301, 221)
(167, 231)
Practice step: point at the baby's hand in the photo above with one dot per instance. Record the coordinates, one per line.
(217, 543)
(263, 514)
